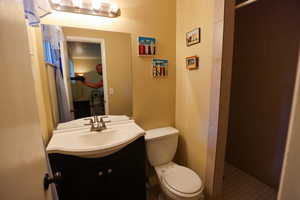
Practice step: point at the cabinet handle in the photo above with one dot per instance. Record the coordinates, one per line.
(57, 178)
(100, 173)
(109, 171)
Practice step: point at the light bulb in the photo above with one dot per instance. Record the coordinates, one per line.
(114, 8)
(77, 3)
(96, 4)
(56, 1)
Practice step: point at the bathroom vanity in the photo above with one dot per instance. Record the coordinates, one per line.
(89, 173)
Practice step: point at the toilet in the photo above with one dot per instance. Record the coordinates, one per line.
(177, 182)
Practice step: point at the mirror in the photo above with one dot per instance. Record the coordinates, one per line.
(89, 72)
(86, 71)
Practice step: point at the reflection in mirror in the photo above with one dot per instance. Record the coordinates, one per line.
(88, 72)
(87, 78)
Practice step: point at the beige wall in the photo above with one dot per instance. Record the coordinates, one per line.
(37, 81)
(52, 92)
(220, 96)
(118, 64)
(84, 50)
(153, 100)
(39, 69)
(85, 65)
(193, 87)
(22, 154)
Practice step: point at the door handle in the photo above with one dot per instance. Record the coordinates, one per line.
(49, 180)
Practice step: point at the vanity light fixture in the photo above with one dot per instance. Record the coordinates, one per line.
(88, 7)
(96, 4)
(79, 74)
(77, 3)
(56, 1)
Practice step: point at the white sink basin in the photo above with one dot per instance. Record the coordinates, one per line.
(88, 127)
(110, 119)
(84, 143)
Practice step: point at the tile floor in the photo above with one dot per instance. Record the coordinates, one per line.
(237, 186)
(240, 186)
(152, 193)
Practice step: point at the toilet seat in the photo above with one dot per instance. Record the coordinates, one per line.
(183, 180)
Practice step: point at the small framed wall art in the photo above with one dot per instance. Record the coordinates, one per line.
(193, 37)
(146, 46)
(192, 62)
(159, 68)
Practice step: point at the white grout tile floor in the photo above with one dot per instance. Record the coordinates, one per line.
(238, 185)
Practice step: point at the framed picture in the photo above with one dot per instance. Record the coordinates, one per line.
(146, 46)
(192, 62)
(193, 37)
(159, 68)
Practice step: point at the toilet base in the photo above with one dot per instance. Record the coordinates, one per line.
(161, 196)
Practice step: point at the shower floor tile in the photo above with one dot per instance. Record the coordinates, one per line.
(240, 186)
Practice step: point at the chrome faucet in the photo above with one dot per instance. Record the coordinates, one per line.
(98, 125)
(103, 125)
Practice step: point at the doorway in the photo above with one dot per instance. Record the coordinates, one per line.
(266, 45)
(86, 61)
(277, 41)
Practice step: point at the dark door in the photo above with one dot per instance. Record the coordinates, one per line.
(264, 70)
(82, 109)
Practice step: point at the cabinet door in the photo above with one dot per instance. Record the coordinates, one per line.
(94, 182)
(122, 182)
(82, 179)
(126, 175)
(88, 183)
(119, 176)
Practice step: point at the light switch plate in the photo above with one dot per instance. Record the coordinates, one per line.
(111, 91)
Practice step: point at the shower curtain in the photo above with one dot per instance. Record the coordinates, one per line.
(64, 112)
(52, 36)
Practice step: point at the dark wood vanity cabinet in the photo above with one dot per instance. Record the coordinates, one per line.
(118, 176)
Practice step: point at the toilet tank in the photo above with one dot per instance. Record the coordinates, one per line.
(161, 145)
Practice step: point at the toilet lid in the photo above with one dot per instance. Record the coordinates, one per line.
(183, 180)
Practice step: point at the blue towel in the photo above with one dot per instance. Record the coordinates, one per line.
(31, 14)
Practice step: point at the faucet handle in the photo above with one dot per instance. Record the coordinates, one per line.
(91, 122)
(94, 126)
(97, 118)
(103, 125)
(104, 117)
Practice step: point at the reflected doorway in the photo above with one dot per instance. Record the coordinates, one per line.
(86, 74)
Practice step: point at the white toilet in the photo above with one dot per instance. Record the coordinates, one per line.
(177, 182)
